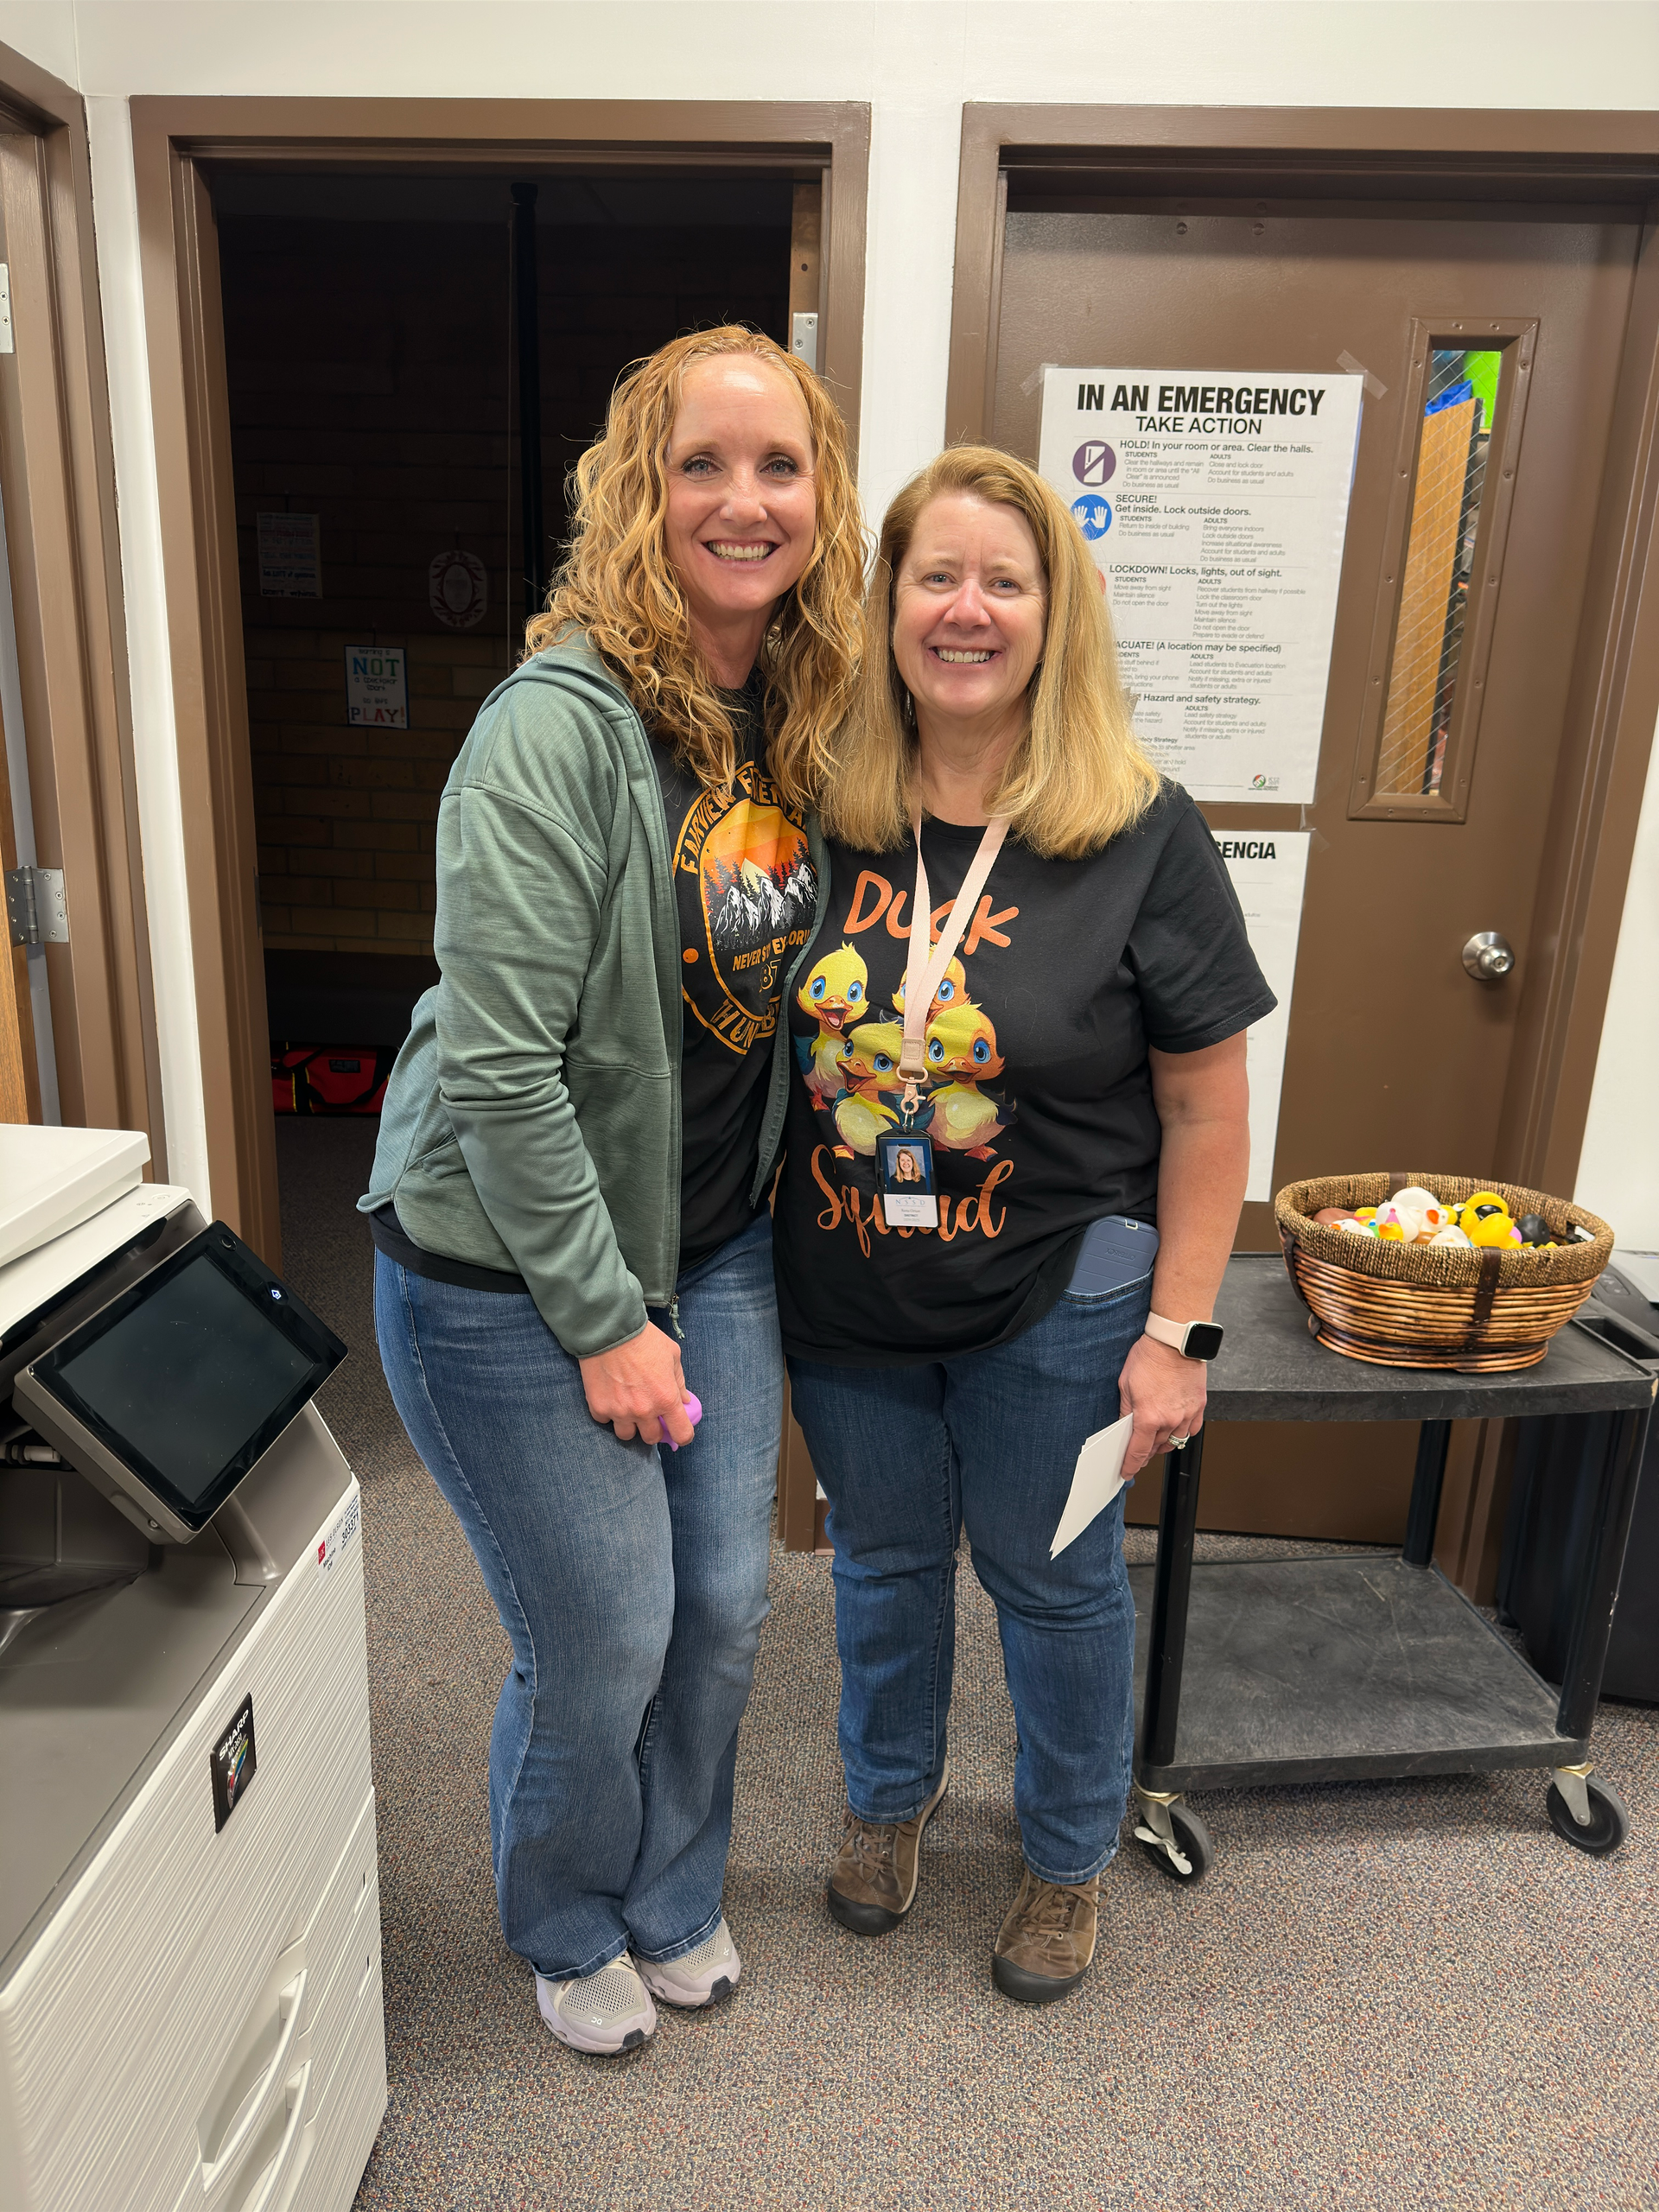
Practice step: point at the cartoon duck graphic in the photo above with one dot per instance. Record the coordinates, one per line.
(961, 1049)
(868, 1066)
(835, 996)
(952, 991)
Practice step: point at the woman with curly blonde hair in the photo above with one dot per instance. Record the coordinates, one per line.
(573, 1267)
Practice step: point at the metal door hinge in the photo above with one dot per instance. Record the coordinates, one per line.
(6, 345)
(36, 906)
(803, 339)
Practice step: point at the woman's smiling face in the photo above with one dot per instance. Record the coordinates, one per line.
(970, 606)
(742, 504)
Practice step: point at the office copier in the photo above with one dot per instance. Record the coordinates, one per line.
(190, 2002)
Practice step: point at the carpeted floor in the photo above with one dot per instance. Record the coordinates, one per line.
(1386, 1995)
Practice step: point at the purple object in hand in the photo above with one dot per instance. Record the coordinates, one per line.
(694, 1408)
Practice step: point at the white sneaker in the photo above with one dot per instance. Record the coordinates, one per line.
(700, 1977)
(609, 2011)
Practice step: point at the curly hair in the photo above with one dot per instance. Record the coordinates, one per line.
(617, 586)
(1078, 776)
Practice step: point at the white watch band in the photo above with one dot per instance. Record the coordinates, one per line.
(1173, 1333)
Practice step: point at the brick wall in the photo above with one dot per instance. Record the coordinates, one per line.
(371, 383)
(347, 816)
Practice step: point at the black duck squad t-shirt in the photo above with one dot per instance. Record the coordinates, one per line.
(1039, 1104)
(745, 889)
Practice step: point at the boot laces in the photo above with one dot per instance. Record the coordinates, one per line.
(872, 1842)
(1052, 1911)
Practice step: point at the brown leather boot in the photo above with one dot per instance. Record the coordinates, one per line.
(873, 1880)
(1047, 1940)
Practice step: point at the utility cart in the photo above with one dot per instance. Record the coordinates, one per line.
(1356, 1665)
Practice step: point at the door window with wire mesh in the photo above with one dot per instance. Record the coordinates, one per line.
(1458, 445)
(1458, 410)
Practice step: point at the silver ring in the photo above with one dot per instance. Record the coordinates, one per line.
(1179, 1443)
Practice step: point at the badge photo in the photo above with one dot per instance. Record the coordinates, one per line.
(904, 1174)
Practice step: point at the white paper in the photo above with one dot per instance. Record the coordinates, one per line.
(290, 565)
(1219, 528)
(1097, 1479)
(377, 686)
(1268, 870)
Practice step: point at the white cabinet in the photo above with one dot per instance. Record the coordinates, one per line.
(198, 2022)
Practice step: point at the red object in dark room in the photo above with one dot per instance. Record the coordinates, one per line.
(329, 1078)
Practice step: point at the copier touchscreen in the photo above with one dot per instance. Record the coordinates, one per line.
(186, 1378)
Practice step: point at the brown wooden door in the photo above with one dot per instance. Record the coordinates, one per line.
(1428, 826)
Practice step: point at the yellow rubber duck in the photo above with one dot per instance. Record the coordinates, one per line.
(1484, 1220)
(962, 1047)
(868, 1065)
(1492, 1229)
(835, 996)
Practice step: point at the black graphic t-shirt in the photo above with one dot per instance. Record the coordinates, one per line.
(745, 889)
(1040, 1107)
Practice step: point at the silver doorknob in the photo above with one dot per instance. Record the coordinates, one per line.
(1488, 956)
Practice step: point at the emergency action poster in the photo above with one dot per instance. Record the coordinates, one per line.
(1215, 503)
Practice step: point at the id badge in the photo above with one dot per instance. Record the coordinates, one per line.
(904, 1175)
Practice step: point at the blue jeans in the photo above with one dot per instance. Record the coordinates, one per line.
(911, 1456)
(631, 1583)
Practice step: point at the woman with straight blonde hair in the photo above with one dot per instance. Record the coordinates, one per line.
(572, 1265)
(1034, 996)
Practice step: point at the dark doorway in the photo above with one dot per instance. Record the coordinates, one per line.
(376, 399)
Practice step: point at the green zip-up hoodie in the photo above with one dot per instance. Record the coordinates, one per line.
(532, 1120)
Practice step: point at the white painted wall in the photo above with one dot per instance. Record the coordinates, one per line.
(1618, 1169)
(916, 61)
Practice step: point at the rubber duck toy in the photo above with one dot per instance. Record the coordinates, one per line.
(952, 991)
(1484, 1220)
(868, 1065)
(834, 994)
(1417, 1214)
(1536, 1231)
(961, 1049)
(1450, 1237)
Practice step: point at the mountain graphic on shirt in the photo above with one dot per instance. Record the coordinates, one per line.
(756, 903)
(748, 892)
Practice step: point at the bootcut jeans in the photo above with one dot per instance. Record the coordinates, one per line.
(911, 1456)
(630, 1580)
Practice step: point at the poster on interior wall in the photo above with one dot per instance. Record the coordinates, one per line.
(377, 686)
(291, 561)
(1268, 869)
(457, 590)
(1215, 504)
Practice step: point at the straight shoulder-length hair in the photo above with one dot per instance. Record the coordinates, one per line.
(618, 587)
(1078, 776)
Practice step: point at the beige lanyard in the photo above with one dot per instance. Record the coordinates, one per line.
(922, 975)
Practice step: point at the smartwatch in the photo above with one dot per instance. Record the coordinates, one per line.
(1193, 1339)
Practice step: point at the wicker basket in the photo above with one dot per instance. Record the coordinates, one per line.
(1478, 1312)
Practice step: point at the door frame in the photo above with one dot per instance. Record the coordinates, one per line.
(58, 474)
(1448, 159)
(175, 141)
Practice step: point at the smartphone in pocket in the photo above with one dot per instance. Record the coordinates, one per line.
(1116, 1251)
